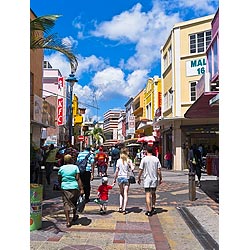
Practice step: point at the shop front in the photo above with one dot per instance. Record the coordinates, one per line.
(177, 134)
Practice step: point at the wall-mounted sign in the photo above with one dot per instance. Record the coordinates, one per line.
(60, 111)
(131, 124)
(196, 67)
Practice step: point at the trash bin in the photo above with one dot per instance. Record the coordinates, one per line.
(192, 188)
(36, 194)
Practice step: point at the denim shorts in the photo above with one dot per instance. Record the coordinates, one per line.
(122, 180)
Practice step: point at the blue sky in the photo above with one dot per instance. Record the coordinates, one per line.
(117, 43)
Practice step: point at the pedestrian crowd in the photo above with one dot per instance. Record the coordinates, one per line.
(77, 170)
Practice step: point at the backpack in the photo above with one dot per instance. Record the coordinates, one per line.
(115, 154)
(83, 163)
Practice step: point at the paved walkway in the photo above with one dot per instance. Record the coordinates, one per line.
(179, 223)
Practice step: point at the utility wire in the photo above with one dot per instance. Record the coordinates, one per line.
(69, 99)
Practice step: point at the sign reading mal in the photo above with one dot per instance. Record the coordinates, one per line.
(196, 67)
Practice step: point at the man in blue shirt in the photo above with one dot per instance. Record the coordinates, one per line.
(88, 175)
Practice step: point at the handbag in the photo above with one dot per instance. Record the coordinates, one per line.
(131, 178)
(80, 205)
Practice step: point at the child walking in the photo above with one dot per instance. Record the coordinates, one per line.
(102, 192)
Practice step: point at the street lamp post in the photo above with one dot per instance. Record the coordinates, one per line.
(71, 80)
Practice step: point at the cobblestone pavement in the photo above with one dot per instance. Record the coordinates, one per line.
(179, 223)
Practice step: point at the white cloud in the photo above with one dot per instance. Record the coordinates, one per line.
(147, 30)
(108, 81)
(203, 6)
(112, 81)
(70, 41)
(80, 35)
(124, 27)
(84, 94)
(91, 63)
(59, 61)
(136, 81)
(77, 23)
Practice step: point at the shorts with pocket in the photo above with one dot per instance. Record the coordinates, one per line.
(122, 180)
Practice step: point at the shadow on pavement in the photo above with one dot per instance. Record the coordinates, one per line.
(160, 210)
(84, 221)
(211, 188)
(136, 210)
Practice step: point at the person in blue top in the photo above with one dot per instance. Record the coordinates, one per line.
(71, 186)
(88, 175)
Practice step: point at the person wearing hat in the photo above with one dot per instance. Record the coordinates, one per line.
(103, 194)
(71, 186)
(88, 175)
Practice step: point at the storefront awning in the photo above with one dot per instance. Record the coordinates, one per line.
(167, 120)
(201, 107)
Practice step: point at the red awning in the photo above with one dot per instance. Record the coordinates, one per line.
(201, 107)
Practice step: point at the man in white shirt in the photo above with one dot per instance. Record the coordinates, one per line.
(151, 167)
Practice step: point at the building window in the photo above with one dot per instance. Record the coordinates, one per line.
(167, 59)
(193, 91)
(168, 99)
(199, 42)
(137, 105)
(213, 58)
(216, 58)
(169, 55)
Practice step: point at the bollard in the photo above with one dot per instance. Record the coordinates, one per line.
(192, 188)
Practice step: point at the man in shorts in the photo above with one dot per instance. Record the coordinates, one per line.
(151, 167)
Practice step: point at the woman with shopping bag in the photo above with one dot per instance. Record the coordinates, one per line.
(71, 186)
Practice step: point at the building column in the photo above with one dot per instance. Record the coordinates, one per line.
(177, 147)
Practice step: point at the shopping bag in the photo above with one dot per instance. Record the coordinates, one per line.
(80, 204)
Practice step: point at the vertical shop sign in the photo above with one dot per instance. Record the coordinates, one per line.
(131, 124)
(60, 111)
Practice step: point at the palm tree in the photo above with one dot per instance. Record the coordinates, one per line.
(96, 134)
(38, 41)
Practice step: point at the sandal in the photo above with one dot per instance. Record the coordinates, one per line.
(124, 211)
(68, 225)
(120, 210)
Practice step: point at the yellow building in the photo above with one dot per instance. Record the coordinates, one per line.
(151, 98)
(183, 63)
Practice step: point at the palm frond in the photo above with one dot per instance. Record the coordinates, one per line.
(53, 43)
(43, 23)
(38, 41)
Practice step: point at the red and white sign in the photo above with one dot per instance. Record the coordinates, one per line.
(60, 111)
(60, 83)
(80, 138)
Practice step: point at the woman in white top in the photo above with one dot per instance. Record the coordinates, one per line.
(123, 166)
